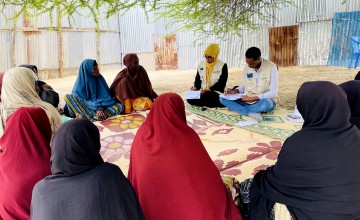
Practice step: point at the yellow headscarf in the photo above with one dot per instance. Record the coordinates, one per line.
(212, 50)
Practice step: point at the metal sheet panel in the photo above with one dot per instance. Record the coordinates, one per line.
(5, 45)
(42, 48)
(319, 10)
(78, 46)
(232, 47)
(110, 47)
(314, 39)
(8, 12)
(136, 33)
(284, 16)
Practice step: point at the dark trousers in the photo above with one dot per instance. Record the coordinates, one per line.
(208, 99)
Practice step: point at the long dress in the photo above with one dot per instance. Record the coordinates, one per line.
(24, 160)
(132, 86)
(316, 175)
(171, 171)
(82, 186)
(91, 93)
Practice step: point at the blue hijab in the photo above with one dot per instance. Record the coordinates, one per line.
(93, 90)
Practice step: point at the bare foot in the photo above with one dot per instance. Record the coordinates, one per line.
(78, 115)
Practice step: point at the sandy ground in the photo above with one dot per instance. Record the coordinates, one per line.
(179, 81)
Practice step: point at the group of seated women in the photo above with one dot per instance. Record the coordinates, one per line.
(91, 97)
(78, 184)
(50, 170)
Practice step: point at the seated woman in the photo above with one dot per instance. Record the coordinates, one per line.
(132, 86)
(90, 97)
(352, 89)
(19, 90)
(46, 92)
(24, 155)
(316, 175)
(211, 78)
(87, 189)
(171, 171)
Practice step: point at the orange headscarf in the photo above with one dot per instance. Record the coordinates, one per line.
(212, 50)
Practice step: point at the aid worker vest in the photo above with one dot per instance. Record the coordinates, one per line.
(215, 74)
(251, 89)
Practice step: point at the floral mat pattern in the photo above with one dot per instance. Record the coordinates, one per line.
(230, 147)
(274, 125)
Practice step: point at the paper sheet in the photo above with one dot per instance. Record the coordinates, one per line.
(294, 118)
(232, 96)
(245, 123)
(193, 94)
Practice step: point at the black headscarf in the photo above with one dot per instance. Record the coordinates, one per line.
(32, 67)
(352, 90)
(357, 77)
(82, 186)
(317, 174)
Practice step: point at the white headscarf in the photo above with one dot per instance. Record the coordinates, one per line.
(18, 90)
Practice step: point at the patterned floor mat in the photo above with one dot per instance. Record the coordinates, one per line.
(228, 146)
(275, 125)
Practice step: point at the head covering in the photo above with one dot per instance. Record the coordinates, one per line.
(18, 90)
(316, 174)
(171, 171)
(93, 90)
(132, 84)
(24, 160)
(213, 51)
(32, 67)
(357, 77)
(50, 96)
(352, 90)
(129, 59)
(82, 186)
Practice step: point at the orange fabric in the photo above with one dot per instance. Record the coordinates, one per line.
(141, 104)
(171, 171)
(128, 106)
(138, 104)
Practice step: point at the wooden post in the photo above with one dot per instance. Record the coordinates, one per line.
(98, 42)
(60, 43)
(13, 43)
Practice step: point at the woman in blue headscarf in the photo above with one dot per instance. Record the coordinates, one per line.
(90, 97)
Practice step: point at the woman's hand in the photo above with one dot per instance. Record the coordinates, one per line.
(100, 115)
(193, 88)
(231, 91)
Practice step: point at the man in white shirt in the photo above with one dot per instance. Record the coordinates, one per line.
(259, 86)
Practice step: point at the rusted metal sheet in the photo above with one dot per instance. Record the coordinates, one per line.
(165, 52)
(284, 45)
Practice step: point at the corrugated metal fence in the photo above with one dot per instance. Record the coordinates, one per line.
(313, 36)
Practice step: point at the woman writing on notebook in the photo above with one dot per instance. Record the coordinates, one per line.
(210, 79)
